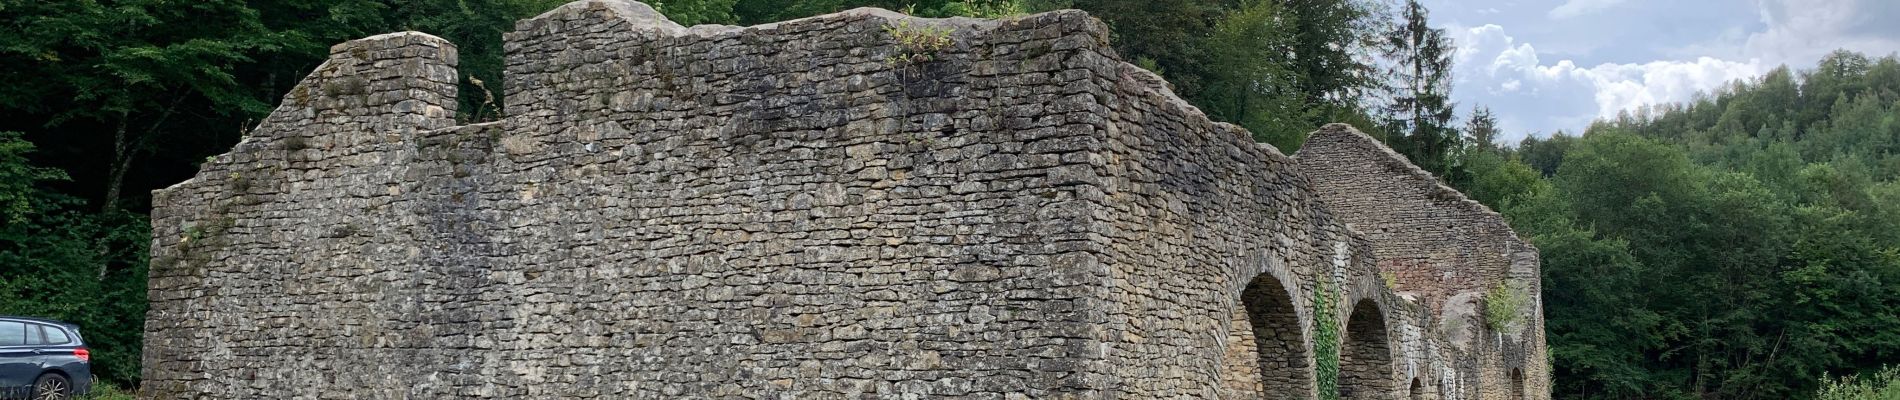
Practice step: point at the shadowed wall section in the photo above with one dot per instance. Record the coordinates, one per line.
(1267, 353)
(1365, 362)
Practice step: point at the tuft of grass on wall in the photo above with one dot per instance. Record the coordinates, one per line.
(917, 43)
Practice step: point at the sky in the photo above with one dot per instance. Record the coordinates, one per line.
(1548, 65)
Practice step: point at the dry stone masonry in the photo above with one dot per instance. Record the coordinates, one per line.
(810, 210)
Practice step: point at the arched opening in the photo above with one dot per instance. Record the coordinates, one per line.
(1365, 362)
(1418, 390)
(1266, 354)
(1517, 383)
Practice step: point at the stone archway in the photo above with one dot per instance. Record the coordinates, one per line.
(1267, 355)
(1517, 384)
(1418, 390)
(1365, 361)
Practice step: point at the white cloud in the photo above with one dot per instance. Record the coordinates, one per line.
(1801, 31)
(1575, 8)
(1540, 79)
(1532, 94)
(1727, 44)
(1798, 32)
(1617, 87)
(1627, 86)
(1471, 41)
(1517, 57)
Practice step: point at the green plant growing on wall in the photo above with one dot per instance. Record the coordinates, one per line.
(1504, 306)
(991, 9)
(917, 43)
(1326, 341)
(488, 110)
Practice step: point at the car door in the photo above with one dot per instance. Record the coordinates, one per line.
(18, 364)
(57, 352)
(36, 343)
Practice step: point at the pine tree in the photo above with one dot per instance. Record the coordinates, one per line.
(1420, 113)
(1481, 131)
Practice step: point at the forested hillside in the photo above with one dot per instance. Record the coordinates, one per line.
(1740, 246)
(1735, 247)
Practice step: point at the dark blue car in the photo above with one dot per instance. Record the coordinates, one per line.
(42, 359)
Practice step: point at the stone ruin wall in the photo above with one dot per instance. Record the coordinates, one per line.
(1442, 250)
(776, 211)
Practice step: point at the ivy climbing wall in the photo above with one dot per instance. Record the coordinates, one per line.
(855, 205)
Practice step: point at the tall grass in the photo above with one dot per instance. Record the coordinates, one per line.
(1883, 385)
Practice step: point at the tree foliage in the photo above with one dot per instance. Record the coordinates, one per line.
(1736, 247)
(1420, 114)
(1280, 68)
(1249, 79)
(1881, 385)
(119, 97)
(61, 260)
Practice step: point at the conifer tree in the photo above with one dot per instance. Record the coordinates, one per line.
(1420, 113)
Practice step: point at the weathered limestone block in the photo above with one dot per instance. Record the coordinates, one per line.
(804, 209)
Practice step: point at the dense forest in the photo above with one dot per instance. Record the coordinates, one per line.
(1742, 245)
(1734, 247)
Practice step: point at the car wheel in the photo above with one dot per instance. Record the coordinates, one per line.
(52, 387)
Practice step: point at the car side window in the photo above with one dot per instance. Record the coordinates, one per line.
(54, 335)
(33, 335)
(12, 334)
